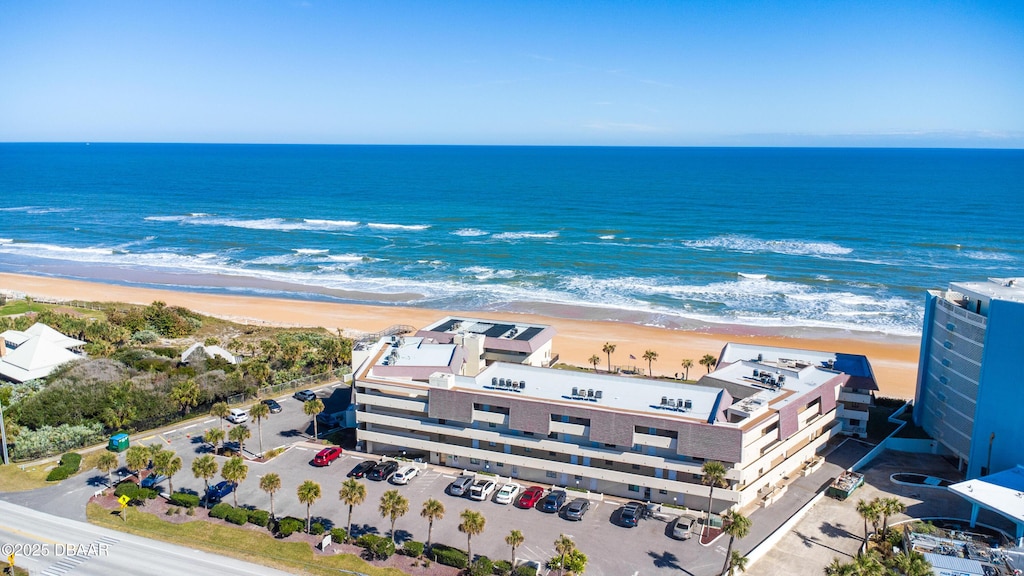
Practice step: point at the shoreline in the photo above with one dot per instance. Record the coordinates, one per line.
(893, 358)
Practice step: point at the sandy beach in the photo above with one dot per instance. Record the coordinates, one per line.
(894, 361)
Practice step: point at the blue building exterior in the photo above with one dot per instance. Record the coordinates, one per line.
(970, 383)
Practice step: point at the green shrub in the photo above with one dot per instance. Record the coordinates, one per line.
(259, 517)
(71, 461)
(147, 494)
(47, 440)
(289, 525)
(238, 516)
(191, 511)
(482, 567)
(413, 548)
(525, 571)
(184, 499)
(339, 535)
(57, 474)
(377, 547)
(316, 529)
(170, 511)
(503, 568)
(449, 556)
(220, 510)
(126, 488)
(145, 337)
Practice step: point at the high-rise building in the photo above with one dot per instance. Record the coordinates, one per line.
(970, 381)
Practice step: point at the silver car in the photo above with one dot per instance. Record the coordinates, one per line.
(460, 486)
(683, 527)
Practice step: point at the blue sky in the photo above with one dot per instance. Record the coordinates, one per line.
(761, 73)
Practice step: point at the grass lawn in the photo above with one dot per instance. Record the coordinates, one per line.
(14, 479)
(20, 307)
(257, 547)
(879, 426)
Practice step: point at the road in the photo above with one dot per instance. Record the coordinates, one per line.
(52, 546)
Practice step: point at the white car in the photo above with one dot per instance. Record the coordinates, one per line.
(508, 492)
(482, 490)
(237, 416)
(404, 474)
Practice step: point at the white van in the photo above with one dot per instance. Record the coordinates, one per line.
(237, 416)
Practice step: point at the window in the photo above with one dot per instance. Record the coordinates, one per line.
(609, 445)
(636, 466)
(551, 474)
(662, 491)
(854, 422)
(945, 362)
(501, 464)
(609, 463)
(474, 461)
(551, 454)
(527, 450)
(491, 444)
(578, 478)
(947, 345)
(553, 435)
(637, 448)
(770, 428)
(527, 433)
(950, 326)
(442, 421)
(634, 488)
(492, 425)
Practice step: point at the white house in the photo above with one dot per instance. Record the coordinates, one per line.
(210, 352)
(36, 352)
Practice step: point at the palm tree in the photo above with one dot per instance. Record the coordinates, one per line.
(235, 471)
(736, 525)
(837, 568)
(608, 349)
(432, 510)
(868, 565)
(515, 539)
(205, 467)
(214, 436)
(220, 410)
(312, 408)
(868, 511)
(563, 546)
(352, 493)
(472, 524)
(308, 493)
(714, 475)
(595, 360)
(186, 395)
(650, 356)
(107, 462)
(259, 411)
(240, 434)
(167, 463)
(137, 458)
(708, 361)
(393, 506)
(912, 563)
(270, 483)
(736, 561)
(687, 364)
(890, 507)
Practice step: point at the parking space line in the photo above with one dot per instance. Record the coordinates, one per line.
(190, 426)
(210, 420)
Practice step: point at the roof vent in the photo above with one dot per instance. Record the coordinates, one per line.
(688, 404)
(590, 393)
(756, 372)
(575, 391)
(664, 400)
(522, 384)
(597, 394)
(494, 381)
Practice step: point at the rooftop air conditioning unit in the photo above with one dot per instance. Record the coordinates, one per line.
(756, 372)
(575, 391)
(664, 400)
(688, 404)
(597, 394)
(522, 384)
(590, 393)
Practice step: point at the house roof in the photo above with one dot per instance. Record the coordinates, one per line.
(1002, 492)
(52, 336)
(210, 352)
(34, 358)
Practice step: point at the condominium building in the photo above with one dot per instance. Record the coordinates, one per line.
(763, 413)
(969, 373)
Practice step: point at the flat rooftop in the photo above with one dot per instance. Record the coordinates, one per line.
(519, 337)
(414, 351)
(786, 360)
(993, 289)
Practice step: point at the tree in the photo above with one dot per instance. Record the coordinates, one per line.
(240, 434)
(890, 507)
(912, 563)
(332, 352)
(259, 371)
(515, 539)
(205, 467)
(270, 483)
(309, 492)
(687, 364)
(714, 475)
(214, 436)
(235, 471)
(432, 510)
(708, 361)
(186, 395)
(107, 462)
(868, 565)
(609, 349)
(136, 458)
(259, 411)
(168, 463)
(352, 493)
(472, 524)
(736, 525)
(837, 568)
(869, 512)
(736, 561)
(393, 506)
(312, 408)
(563, 546)
(595, 360)
(220, 410)
(650, 356)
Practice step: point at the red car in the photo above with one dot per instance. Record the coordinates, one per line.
(530, 497)
(326, 456)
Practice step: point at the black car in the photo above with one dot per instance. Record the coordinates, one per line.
(630, 514)
(304, 395)
(361, 469)
(383, 470)
(576, 509)
(553, 501)
(273, 405)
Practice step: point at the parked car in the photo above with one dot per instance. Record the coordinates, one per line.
(237, 416)
(507, 493)
(383, 470)
(152, 480)
(219, 491)
(326, 456)
(576, 509)
(460, 486)
(404, 474)
(530, 497)
(273, 405)
(553, 501)
(360, 470)
(482, 490)
(683, 527)
(630, 514)
(304, 395)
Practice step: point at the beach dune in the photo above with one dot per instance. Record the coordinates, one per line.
(894, 360)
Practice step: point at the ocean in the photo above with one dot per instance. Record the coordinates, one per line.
(763, 238)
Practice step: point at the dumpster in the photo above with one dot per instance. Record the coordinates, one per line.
(118, 443)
